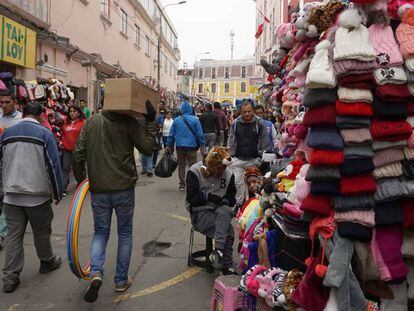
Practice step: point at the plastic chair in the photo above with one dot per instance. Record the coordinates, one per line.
(225, 292)
(201, 258)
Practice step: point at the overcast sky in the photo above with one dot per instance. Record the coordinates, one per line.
(205, 25)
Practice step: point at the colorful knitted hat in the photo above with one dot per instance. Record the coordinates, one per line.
(354, 95)
(324, 115)
(321, 73)
(390, 130)
(389, 111)
(388, 213)
(353, 67)
(388, 190)
(352, 122)
(384, 43)
(323, 173)
(358, 184)
(319, 205)
(407, 206)
(393, 93)
(405, 34)
(390, 75)
(326, 157)
(362, 217)
(356, 136)
(388, 171)
(387, 156)
(323, 188)
(324, 138)
(359, 151)
(354, 231)
(361, 202)
(317, 97)
(362, 81)
(381, 145)
(354, 166)
(354, 109)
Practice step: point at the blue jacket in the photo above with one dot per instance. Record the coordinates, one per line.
(30, 160)
(182, 135)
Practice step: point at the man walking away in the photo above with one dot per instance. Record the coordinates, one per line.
(210, 124)
(85, 109)
(10, 116)
(248, 139)
(31, 176)
(211, 194)
(188, 136)
(106, 144)
(222, 122)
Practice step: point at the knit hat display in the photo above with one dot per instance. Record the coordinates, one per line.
(323, 173)
(390, 130)
(317, 97)
(354, 166)
(354, 109)
(346, 203)
(388, 171)
(346, 67)
(322, 188)
(387, 156)
(409, 107)
(388, 190)
(409, 64)
(408, 153)
(356, 136)
(352, 122)
(359, 151)
(407, 206)
(405, 34)
(411, 121)
(388, 213)
(325, 138)
(410, 76)
(362, 217)
(390, 75)
(354, 95)
(319, 205)
(384, 43)
(321, 74)
(361, 81)
(354, 231)
(358, 184)
(324, 115)
(352, 38)
(326, 157)
(393, 93)
(407, 187)
(389, 111)
(381, 145)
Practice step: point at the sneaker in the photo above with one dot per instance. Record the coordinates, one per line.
(229, 271)
(216, 259)
(92, 291)
(64, 194)
(181, 188)
(49, 266)
(10, 287)
(149, 174)
(123, 287)
(1, 243)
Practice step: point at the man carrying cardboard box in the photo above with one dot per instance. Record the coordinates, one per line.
(106, 144)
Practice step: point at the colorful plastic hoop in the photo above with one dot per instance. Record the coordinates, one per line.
(73, 232)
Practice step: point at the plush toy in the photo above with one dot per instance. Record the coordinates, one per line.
(301, 22)
(322, 17)
(216, 157)
(267, 285)
(252, 283)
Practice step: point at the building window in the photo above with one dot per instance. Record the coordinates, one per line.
(227, 88)
(213, 88)
(227, 73)
(105, 7)
(200, 73)
(137, 35)
(243, 72)
(200, 88)
(147, 45)
(124, 21)
(243, 87)
(213, 73)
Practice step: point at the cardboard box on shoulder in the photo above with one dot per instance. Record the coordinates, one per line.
(128, 96)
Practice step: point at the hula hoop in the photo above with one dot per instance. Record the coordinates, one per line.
(72, 230)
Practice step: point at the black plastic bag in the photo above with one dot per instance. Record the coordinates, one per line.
(167, 165)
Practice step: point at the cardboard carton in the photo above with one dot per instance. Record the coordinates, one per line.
(128, 96)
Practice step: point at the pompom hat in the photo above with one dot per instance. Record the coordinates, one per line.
(321, 73)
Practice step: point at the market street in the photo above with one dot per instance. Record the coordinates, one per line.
(161, 279)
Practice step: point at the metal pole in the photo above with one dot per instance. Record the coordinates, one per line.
(159, 60)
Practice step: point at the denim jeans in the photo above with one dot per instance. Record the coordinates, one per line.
(146, 163)
(123, 202)
(3, 225)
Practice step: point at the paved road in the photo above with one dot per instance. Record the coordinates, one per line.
(162, 280)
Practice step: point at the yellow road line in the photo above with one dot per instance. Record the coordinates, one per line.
(186, 219)
(161, 286)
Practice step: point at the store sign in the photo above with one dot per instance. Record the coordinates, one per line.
(18, 43)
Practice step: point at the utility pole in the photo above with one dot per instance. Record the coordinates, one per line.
(232, 35)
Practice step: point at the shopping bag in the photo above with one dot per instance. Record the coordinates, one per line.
(166, 166)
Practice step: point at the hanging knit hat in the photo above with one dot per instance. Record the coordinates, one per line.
(321, 74)
(326, 157)
(354, 231)
(389, 111)
(358, 184)
(390, 75)
(388, 213)
(353, 67)
(354, 166)
(359, 151)
(405, 34)
(383, 41)
(390, 130)
(354, 109)
(408, 169)
(388, 190)
(387, 156)
(323, 173)
(317, 97)
(324, 138)
(388, 171)
(408, 153)
(360, 81)
(361, 202)
(407, 206)
(322, 188)
(356, 136)
(348, 34)
(352, 122)
(324, 115)
(381, 145)
(354, 95)
(393, 93)
(362, 217)
(407, 187)
(319, 205)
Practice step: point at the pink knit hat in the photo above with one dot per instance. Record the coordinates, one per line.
(405, 34)
(365, 218)
(383, 41)
(387, 156)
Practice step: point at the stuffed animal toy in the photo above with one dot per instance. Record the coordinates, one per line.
(301, 22)
(293, 279)
(285, 36)
(216, 157)
(267, 284)
(322, 17)
(252, 283)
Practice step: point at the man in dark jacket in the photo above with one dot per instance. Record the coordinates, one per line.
(31, 177)
(221, 133)
(106, 144)
(248, 139)
(188, 136)
(210, 124)
(211, 193)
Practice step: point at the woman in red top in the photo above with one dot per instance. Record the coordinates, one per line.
(70, 133)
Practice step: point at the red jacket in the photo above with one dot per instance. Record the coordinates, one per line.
(70, 134)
